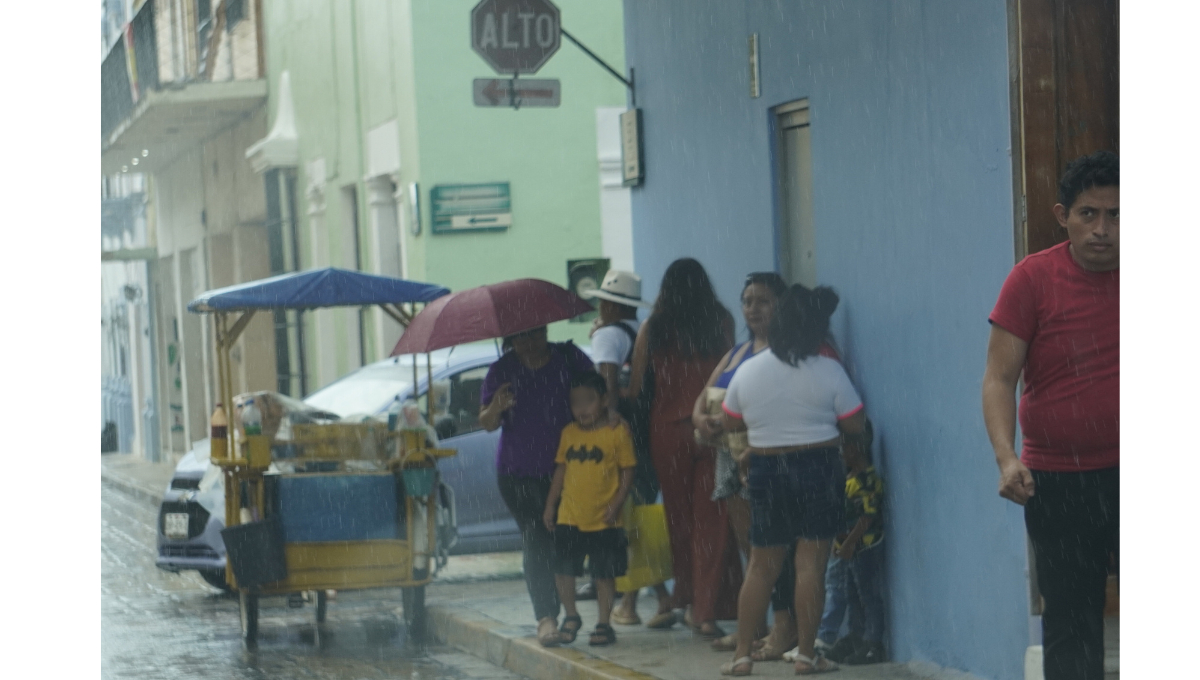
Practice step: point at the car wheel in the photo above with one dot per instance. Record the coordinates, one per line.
(215, 578)
(249, 614)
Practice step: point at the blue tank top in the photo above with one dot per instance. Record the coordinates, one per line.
(724, 378)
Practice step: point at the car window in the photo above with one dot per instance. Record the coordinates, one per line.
(461, 414)
(364, 392)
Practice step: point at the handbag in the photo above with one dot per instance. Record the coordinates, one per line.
(649, 547)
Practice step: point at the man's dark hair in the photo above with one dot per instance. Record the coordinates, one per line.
(801, 322)
(590, 379)
(1101, 169)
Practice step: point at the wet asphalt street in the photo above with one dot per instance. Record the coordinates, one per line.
(156, 624)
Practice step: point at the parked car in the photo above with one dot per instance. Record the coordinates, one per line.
(483, 521)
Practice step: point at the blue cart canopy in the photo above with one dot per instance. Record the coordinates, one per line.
(315, 288)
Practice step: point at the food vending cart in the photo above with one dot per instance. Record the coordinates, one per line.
(312, 503)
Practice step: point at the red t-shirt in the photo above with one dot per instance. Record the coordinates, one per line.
(1071, 318)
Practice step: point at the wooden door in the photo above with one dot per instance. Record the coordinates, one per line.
(1069, 101)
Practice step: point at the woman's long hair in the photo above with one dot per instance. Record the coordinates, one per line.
(687, 315)
(801, 322)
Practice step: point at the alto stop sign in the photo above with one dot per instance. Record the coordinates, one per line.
(515, 36)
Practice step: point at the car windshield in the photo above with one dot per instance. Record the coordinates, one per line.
(367, 391)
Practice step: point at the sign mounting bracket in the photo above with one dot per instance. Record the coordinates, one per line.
(628, 83)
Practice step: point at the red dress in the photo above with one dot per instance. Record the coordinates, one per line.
(708, 571)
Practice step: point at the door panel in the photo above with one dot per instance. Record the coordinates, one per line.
(797, 240)
(1070, 89)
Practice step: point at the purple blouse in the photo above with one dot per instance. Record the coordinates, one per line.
(530, 430)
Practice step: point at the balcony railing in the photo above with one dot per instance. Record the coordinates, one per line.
(129, 70)
(164, 48)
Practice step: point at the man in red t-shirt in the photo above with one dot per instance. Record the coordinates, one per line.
(1058, 321)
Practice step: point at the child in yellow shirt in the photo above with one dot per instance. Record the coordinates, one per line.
(592, 475)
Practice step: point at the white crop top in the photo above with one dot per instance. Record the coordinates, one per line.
(786, 405)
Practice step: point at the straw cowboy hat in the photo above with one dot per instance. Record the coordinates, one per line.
(624, 288)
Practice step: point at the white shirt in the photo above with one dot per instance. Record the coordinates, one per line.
(786, 405)
(610, 345)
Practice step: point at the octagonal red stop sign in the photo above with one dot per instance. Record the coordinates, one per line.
(515, 36)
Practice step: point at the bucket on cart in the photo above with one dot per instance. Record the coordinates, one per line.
(418, 481)
(255, 552)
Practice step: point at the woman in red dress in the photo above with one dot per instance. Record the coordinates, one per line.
(681, 343)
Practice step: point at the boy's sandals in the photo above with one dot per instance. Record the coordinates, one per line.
(807, 666)
(661, 621)
(739, 667)
(548, 632)
(602, 636)
(566, 634)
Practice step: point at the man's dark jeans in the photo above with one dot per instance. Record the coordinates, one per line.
(1073, 520)
(526, 500)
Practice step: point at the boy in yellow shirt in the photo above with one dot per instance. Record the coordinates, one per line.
(592, 475)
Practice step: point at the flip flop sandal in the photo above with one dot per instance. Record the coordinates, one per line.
(820, 665)
(602, 636)
(769, 652)
(715, 634)
(739, 667)
(551, 638)
(623, 620)
(662, 621)
(725, 644)
(567, 635)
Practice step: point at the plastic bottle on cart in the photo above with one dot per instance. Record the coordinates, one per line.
(393, 415)
(219, 433)
(251, 419)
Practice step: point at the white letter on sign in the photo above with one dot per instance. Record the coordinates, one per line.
(525, 17)
(545, 30)
(504, 34)
(488, 39)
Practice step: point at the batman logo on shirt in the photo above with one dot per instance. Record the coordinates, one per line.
(585, 454)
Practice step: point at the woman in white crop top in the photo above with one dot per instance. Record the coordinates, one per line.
(795, 405)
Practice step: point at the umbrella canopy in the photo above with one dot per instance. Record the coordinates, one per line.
(330, 287)
(492, 311)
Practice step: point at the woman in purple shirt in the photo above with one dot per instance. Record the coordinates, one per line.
(527, 394)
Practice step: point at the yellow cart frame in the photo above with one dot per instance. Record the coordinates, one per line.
(335, 565)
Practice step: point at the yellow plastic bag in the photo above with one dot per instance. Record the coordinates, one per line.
(649, 547)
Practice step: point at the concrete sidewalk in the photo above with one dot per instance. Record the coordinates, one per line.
(495, 621)
(479, 604)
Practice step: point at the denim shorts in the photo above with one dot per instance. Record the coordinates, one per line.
(794, 495)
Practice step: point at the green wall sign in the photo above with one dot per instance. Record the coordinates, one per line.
(470, 207)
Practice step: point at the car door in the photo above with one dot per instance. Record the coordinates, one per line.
(484, 523)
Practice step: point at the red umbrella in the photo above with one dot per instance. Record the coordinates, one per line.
(492, 311)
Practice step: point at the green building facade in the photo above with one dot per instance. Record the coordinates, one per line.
(371, 103)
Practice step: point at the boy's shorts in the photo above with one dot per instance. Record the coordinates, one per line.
(799, 494)
(606, 550)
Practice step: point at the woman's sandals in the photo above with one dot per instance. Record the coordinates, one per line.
(738, 667)
(547, 633)
(807, 666)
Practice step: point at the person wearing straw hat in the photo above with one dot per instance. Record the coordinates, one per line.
(620, 296)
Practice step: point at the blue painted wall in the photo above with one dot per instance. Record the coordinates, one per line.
(913, 211)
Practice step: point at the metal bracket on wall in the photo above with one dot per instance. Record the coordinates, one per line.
(628, 83)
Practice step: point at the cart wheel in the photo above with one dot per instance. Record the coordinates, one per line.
(321, 605)
(249, 615)
(215, 578)
(413, 600)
